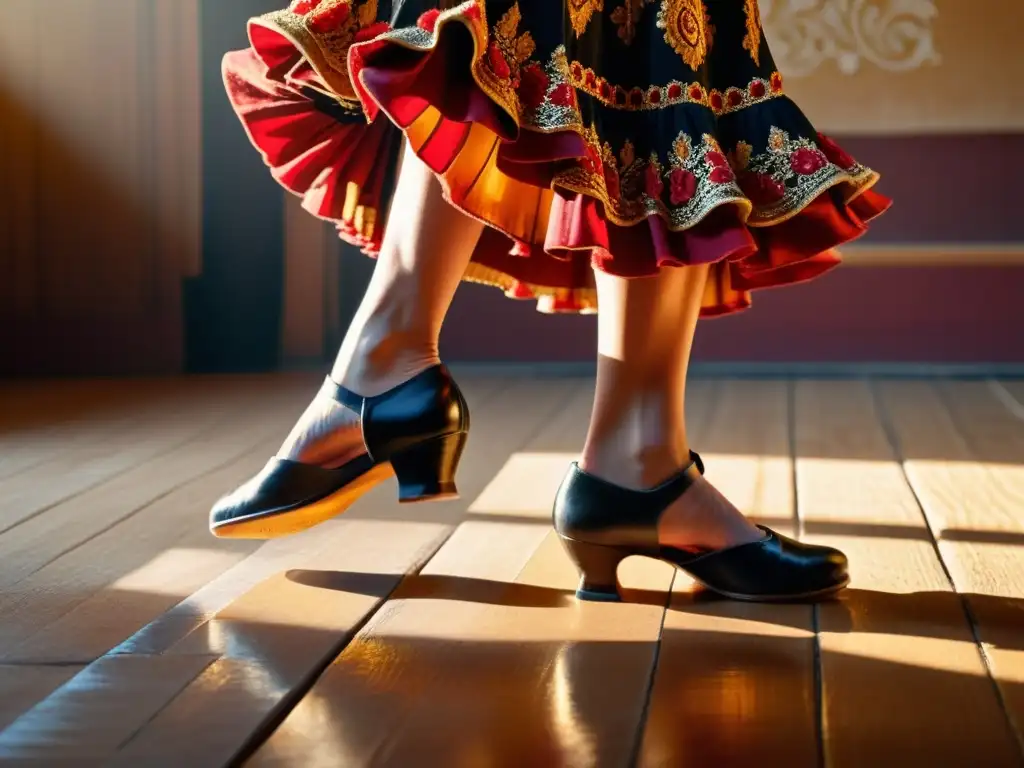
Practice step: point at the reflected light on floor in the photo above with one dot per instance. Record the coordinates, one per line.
(153, 577)
(524, 486)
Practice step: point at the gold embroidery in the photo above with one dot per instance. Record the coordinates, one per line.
(514, 48)
(792, 172)
(752, 41)
(675, 92)
(687, 29)
(580, 12)
(627, 16)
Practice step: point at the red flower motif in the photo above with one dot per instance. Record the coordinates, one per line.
(636, 98)
(372, 31)
(428, 20)
(611, 183)
(682, 186)
(675, 90)
(606, 90)
(806, 161)
(835, 153)
(534, 86)
(329, 19)
(577, 71)
(696, 94)
(721, 175)
(717, 159)
(776, 82)
(653, 185)
(590, 79)
(564, 96)
(654, 95)
(302, 7)
(620, 95)
(716, 101)
(761, 188)
(473, 13)
(496, 60)
(734, 97)
(757, 89)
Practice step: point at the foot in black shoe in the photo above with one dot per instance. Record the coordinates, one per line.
(416, 431)
(601, 524)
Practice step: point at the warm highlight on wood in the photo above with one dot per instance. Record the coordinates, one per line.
(448, 634)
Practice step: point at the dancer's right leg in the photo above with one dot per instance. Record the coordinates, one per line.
(394, 334)
(376, 414)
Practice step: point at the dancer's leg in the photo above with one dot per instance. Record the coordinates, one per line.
(394, 334)
(637, 435)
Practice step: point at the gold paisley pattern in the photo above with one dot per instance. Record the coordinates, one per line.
(687, 29)
(752, 40)
(580, 12)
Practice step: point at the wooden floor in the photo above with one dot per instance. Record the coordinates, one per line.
(447, 635)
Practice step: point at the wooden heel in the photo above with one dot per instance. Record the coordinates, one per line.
(427, 471)
(598, 566)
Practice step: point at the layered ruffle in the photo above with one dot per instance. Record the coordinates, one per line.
(569, 171)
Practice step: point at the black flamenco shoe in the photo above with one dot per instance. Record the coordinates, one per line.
(416, 431)
(602, 524)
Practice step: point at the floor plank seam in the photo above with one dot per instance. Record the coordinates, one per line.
(885, 419)
(294, 697)
(817, 676)
(153, 715)
(645, 710)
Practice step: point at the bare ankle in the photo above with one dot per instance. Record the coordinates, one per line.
(379, 354)
(640, 467)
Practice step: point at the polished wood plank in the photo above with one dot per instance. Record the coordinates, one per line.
(903, 682)
(159, 426)
(485, 657)
(77, 723)
(273, 640)
(735, 681)
(40, 540)
(25, 685)
(963, 448)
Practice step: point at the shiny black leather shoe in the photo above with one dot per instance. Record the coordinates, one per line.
(416, 431)
(602, 524)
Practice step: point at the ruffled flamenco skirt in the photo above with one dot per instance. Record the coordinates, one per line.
(622, 135)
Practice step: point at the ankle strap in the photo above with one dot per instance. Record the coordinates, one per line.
(342, 396)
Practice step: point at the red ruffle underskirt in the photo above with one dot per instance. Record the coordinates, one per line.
(339, 168)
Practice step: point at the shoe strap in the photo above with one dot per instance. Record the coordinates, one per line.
(343, 396)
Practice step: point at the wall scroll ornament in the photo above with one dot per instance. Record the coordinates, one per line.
(894, 35)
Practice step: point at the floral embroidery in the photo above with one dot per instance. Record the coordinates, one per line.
(547, 99)
(580, 12)
(695, 179)
(687, 29)
(627, 16)
(752, 40)
(675, 92)
(791, 173)
(508, 50)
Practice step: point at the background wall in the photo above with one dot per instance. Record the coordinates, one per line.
(99, 184)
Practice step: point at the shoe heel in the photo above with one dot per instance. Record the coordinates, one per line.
(597, 565)
(427, 471)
